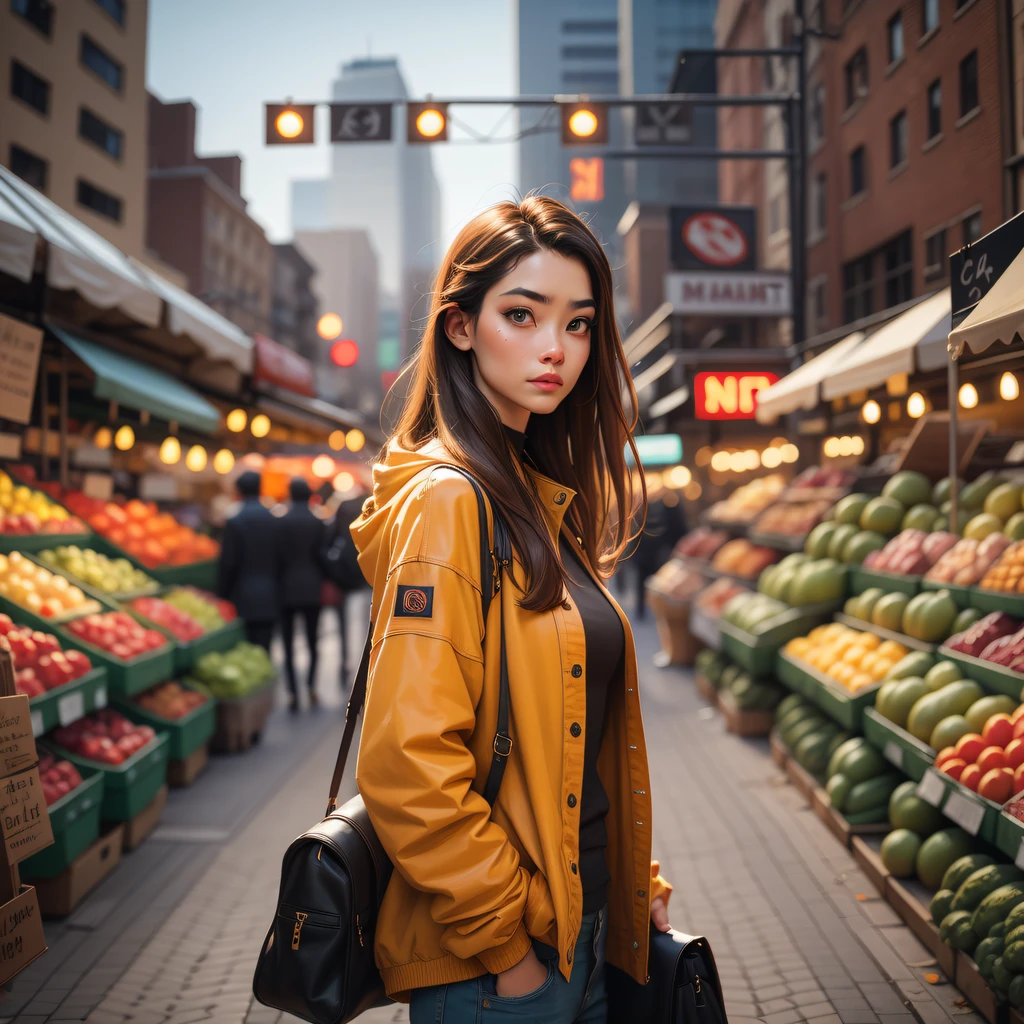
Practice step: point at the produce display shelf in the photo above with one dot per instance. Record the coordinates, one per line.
(197, 574)
(862, 579)
(75, 820)
(837, 824)
(912, 901)
(719, 574)
(187, 734)
(737, 527)
(23, 617)
(996, 601)
(779, 541)
(840, 705)
(130, 786)
(994, 677)
(756, 653)
(701, 565)
(125, 678)
(960, 594)
(26, 542)
(68, 703)
(973, 813)
(706, 628)
(1010, 834)
(912, 756)
(885, 634)
(188, 652)
(93, 592)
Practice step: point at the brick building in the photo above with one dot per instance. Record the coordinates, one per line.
(197, 220)
(294, 307)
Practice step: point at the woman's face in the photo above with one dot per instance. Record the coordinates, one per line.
(532, 337)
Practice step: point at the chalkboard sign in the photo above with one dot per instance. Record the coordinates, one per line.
(976, 267)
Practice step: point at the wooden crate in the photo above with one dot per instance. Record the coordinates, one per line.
(748, 723)
(240, 720)
(706, 689)
(138, 828)
(184, 771)
(780, 752)
(672, 619)
(907, 903)
(870, 862)
(838, 825)
(60, 895)
(977, 992)
(804, 781)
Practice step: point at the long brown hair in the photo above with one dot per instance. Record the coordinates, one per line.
(581, 444)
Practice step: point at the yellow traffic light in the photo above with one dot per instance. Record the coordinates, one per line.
(584, 123)
(427, 122)
(329, 326)
(290, 124)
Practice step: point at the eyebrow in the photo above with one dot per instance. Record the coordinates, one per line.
(537, 297)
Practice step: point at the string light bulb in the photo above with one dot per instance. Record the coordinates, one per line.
(260, 425)
(223, 461)
(124, 438)
(1009, 388)
(236, 420)
(170, 451)
(196, 458)
(871, 411)
(103, 438)
(916, 405)
(968, 396)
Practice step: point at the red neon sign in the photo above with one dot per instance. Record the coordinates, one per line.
(728, 396)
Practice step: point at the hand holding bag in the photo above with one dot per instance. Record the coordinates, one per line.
(317, 961)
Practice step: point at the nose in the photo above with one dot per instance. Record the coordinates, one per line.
(554, 352)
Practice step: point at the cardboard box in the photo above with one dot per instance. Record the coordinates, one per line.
(24, 818)
(59, 896)
(139, 827)
(21, 933)
(184, 771)
(17, 743)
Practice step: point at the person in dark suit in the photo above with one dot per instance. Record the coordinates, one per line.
(302, 536)
(666, 523)
(249, 573)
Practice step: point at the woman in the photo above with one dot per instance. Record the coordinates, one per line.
(509, 909)
(302, 535)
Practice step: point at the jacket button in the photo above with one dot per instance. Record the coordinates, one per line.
(641, 892)
(575, 729)
(560, 498)
(572, 800)
(577, 671)
(573, 867)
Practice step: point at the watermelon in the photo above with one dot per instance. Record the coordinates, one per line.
(996, 906)
(956, 931)
(940, 905)
(982, 882)
(962, 869)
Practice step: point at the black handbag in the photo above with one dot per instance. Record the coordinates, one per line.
(682, 984)
(338, 556)
(317, 961)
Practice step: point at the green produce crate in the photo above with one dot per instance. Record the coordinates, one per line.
(23, 617)
(187, 734)
(187, 653)
(862, 579)
(126, 678)
(974, 814)
(838, 704)
(195, 574)
(40, 541)
(906, 752)
(67, 704)
(961, 595)
(994, 601)
(706, 628)
(886, 634)
(75, 820)
(756, 653)
(99, 595)
(996, 678)
(779, 541)
(130, 786)
(1010, 833)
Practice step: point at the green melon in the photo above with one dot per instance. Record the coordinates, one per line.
(848, 510)
(818, 539)
(938, 852)
(888, 611)
(908, 810)
(985, 707)
(908, 488)
(841, 535)
(941, 674)
(883, 515)
(948, 731)
(901, 701)
(920, 517)
(899, 852)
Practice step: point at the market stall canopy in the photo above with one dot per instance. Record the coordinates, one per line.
(800, 389)
(911, 341)
(80, 260)
(17, 242)
(128, 382)
(998, 317)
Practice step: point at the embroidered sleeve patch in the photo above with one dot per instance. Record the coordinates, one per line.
(414, 602)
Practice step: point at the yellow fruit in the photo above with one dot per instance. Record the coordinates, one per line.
(870, 641)
(881, 666)
(860, 680)
(891, 649)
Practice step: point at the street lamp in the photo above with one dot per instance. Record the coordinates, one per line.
(289, 124)
(329, 326)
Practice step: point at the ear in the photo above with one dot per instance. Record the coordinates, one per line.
(459, 328)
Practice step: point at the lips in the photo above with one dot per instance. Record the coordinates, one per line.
(546, 378)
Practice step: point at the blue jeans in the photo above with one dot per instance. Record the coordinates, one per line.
(580, 1000)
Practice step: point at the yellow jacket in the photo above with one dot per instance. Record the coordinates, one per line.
(472, 885)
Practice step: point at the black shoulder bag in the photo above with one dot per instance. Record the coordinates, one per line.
(317, 960)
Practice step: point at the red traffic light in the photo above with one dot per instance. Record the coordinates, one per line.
(345, 353)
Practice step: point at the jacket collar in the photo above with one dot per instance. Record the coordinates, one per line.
(554, 497)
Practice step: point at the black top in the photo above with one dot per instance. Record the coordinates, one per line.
(249, 572)
(301, 536)
(605, 647)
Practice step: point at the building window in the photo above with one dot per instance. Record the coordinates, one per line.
(969, 83)
(29, 167)
(38, 13)
(603, 81)
(856, 73)
(590, 53)
(28, 87)
(930, 16)
(935, 108)
(898, 139)
(972, 227)
(817, 113)
(100, 63)
(819, 301)
(935, 256)
(899, 269)
(115, 8)
(858, 288)
(819, 208)
(589, 26)
(857, 177)
(896, 37)
(95, 130)
(99, 201)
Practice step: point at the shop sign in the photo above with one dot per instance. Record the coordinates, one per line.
(20, 345)
(728, 396)
(657, 449)
(587, 174)
(729, 294)
(279, 365)
(976, 267)
(713, 237)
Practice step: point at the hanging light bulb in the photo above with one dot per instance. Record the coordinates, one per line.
(223, 461)
(354, 440)
(968, 396)
(1009, 389)
(124, 438)
(196, 458)
(789, 453)
(858, 445)
(872, 411)
(916, 405)
(323, 466)
(103, 438)
(260, 425)
(337, 440)
(170, 451)
(236, 420)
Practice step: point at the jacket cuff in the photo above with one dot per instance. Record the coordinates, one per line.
(659, 886)
(508, 954)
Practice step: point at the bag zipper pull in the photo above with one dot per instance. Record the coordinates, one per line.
(300, 919)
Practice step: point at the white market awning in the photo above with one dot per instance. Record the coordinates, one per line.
(800, 389)
(912, 341)
(17, 242)
(998, 317)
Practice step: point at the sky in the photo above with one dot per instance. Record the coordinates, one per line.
(231, 56)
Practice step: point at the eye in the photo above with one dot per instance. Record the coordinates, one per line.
(519, 315)
(586, 323)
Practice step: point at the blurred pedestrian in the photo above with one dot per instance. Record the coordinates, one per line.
(249, 573)
(302, 535)
(666, 523)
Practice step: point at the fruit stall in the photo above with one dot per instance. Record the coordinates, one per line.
(886, 658)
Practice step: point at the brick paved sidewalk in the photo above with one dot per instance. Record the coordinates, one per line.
(798, 931)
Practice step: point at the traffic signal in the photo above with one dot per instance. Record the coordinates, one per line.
(584, 124)
(427, 122)
(289, 124)
(587, 174)
(345, 353)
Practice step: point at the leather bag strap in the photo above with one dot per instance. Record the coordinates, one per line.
(493, 561)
